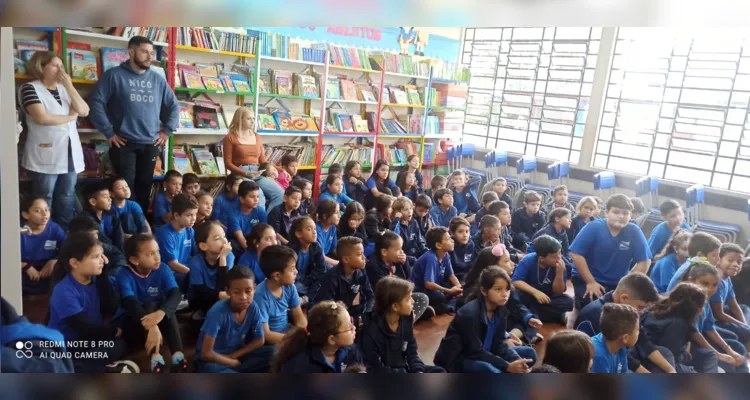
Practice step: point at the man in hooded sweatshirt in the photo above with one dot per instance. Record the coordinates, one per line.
(134, 107)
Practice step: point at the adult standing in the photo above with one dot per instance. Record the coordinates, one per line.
(137, 111)
(243, 153)
(53, 155)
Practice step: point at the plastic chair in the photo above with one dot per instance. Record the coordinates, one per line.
(695, 200)
(604, 181)
(527, 165)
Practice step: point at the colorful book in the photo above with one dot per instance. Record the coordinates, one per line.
(212, 83)
(83, 66)
(206, 117)
(267, 122)
(227, 81)
(204, 161)
(186, 115)
(241, 83)
(283, 120)
(333, 90)
(112, 57)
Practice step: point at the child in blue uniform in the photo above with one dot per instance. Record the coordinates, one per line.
(463, 254)
(131, 215)
(259, 238)
(99, 207)
(604, 249)
(387, 341)
(571, 352)
(433, 273)
(334, 191)
(559, 200)
(476, 340)
(162, 203)
(620, 330)
(280, 217)
(378, 182)
(407, 182)
(487, 199)
(500, 186)
(327, 345)
(558, 223)
(674, 219)
(243, 218)
(311, 262)
(704, 247)
(336, 171)
(277, 296)
(675, 254)
(422, 207)
(149, 296)
(82, 300)
(465, 201)
(177, 238)
(326, 216)
(39, 247)
(227, 201)
(191, 184)
(353, 184)
(205, 208)
(412, 166)
(488, 234)
(443, 211)
(501, 210)
(730, 317)
(347, 282)
(406, 227)
(540, 279)
(350, 224)
(436, 183)
(209, 268)
(526, 221)
(231, 339)
(115, 257)
(378, 219)
(306, 187)
(586, 210)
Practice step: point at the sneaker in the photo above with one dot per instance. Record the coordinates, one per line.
(158, 367)
(720, 370)
(536, 340)
(428, 313)
(183, 304)
(180, 367)
(198, 316)
(123, 367)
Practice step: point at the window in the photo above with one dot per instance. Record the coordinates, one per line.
(529, 89)
(676, 106)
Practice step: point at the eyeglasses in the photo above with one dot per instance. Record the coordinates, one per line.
(351, 328)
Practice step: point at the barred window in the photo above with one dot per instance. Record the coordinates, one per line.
(676, 106)
(529, 89)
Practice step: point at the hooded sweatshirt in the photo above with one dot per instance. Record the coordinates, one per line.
(132, 105)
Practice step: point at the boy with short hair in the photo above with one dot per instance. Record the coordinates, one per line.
(604, 249)
(500, 186)
(527, 220)
(559, 200)
(191, 184)
(488, 234)
(674, 219)
(501, 210)
(288, 171)
(463, 254)
(422, 207)
(540, 279)
(280, 217)
(277, 296)
(162, 203)
(620, 329)
(224, 345)
(443, 211)
(131, 215)
(99, 207)
(347, 282)
(407, 228)
(228, 200)
(244, 218)
(465, 201)
(177, 238)
(730, 316)
(436, 183)
(703, 246)
(487, 199)
(433, 274)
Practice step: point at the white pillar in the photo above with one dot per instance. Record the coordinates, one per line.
(598, 93)
(10, 255)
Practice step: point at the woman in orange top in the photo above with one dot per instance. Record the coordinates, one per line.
(243, 152)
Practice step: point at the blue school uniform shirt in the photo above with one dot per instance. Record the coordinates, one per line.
(340, 198)
(663, 272)
(152, 288)
(576, 224)
(429, 268)
(676, 278)
(465, 202)
(606, 362)
(327, 240)
(239, 221)
(608, 256)
(660, 236)
(69, 298)
(303, 263)
(223, 208)
(229, 336)
(250, 259)
(160, 207)
(529, 271)
(588, 319)
(492, 325)
(36, 250)
(274, 310)
(440, 218)
(724, 292)
(132, 218)
(706, 321)
(372, 184)
(324, 188)
(462, 257)
(414, 243)
(280, 221)
(176, 246)
(202, 274)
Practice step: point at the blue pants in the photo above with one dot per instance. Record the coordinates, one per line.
(34, 287)
(704, 361)
(651, 367)
(579, 286)
(552, 312)
(739, 348)
(741, 331)
(271, 194)
(440, 302)
(476, 366)
(257, 361)
(60, 192)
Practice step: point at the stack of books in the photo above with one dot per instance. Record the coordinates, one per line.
(214, 77)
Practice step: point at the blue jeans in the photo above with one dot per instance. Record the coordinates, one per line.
(476, 366)
(60, 192)
(270, 191)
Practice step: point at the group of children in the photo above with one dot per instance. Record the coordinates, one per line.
(337, 286)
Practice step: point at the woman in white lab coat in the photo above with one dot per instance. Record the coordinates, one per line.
(53, 155)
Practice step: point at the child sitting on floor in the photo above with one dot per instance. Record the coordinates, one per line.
(288, 171)
(209, 268)
(433, 273)
(280, 217)
(620, 329)
(131, 215)
(228, 200)
(404, 225)
(675, 254)
(351, 225)
(162, 203)
(258, 239)
(39, 247)
(463, 254)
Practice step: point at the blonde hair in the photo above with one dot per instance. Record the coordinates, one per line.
(38, 61)
(402, 203)
(234, 127)
(588, 200)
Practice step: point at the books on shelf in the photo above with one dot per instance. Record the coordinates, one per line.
(305, 86)
(349, 57)
(392, 126)
(281, 82)
(391, 154)
(344, 154)
(83, 65)
(181, 160)
(113, 57)
(186, 115)
(205, 162)
(276, 45)
(222, 39)
(155, 34)
(305, 153)
(214, 77)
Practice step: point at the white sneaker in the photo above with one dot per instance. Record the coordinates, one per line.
(720, 370)
(183, 305)
(123, 367)
(198, 316)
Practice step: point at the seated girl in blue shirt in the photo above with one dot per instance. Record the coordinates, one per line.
(150, 296)
(350, 224)
(38, 247)
(231, 339)
(378, 182)
(306, 187)
(327, 216)
(675, 254)
(132, 218)
(311, 262)
(407, 182)
(82, 300)
(405, 226)
(259, 238)
(334, 191)
(476, 340)
(464, 253)
(228, 200)
(209, 268)
(586, 210)
(465, 200)
(326, 345)
(353, 184)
